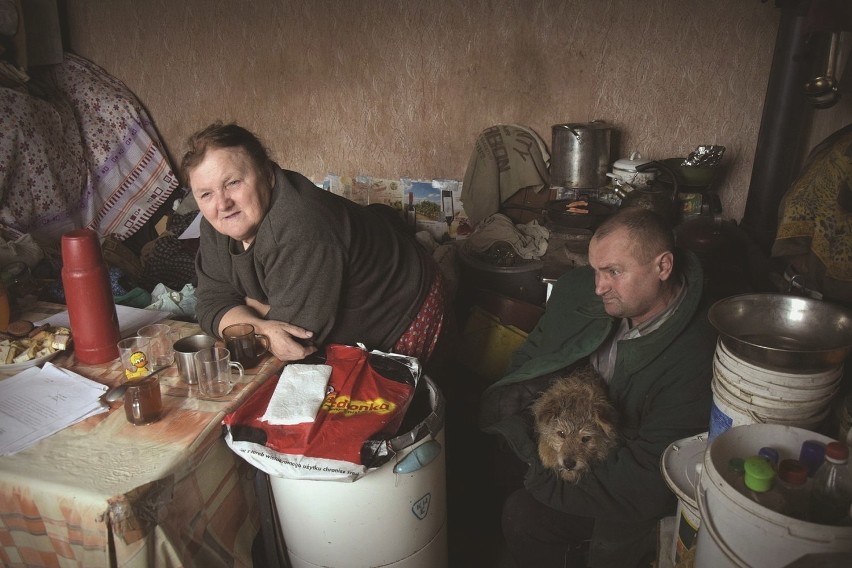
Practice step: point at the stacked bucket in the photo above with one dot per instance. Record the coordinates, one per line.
(745, 393)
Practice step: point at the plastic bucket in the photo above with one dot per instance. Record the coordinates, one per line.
(736, 531)
(393, 516)
(800, 381)
(681, 464)
(747, 394)
(727, 412)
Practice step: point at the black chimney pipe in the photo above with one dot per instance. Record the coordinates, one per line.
(783, 126)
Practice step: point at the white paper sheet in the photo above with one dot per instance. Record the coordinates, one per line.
(130, 320)
(194, 229)
(36, 403)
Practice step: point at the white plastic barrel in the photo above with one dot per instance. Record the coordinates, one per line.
(738, 532)
(393, 516)
(744, 393)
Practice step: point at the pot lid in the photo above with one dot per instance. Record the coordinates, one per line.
(629, 164)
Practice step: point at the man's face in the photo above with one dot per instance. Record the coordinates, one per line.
(629, 286)
(232, 192)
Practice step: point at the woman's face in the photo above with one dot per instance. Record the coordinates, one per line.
(232, 193)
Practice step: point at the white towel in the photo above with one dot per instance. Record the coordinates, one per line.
(298, 395)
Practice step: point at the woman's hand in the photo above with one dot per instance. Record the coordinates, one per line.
(287, 342)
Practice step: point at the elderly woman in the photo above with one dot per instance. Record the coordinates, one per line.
(304, 266)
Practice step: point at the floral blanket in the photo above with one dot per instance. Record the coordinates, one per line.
(78, 150)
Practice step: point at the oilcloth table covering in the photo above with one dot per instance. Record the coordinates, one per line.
(107, 493)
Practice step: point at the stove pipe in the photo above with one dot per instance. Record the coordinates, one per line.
(783, 127)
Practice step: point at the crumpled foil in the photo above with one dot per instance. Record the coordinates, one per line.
(706, 156)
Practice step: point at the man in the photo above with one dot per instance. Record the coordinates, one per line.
(636, 315)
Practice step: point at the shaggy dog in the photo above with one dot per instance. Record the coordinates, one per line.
(575, 423)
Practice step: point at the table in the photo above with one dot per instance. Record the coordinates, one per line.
(107, 493)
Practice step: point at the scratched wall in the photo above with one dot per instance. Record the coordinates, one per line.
(394, 88)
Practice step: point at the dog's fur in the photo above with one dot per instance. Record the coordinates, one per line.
(575, 423)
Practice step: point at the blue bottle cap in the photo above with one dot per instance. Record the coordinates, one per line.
(770, 454)
(812, 455)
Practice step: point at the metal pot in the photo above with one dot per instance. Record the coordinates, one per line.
(521, 281)
(580, 155)
(783, 332)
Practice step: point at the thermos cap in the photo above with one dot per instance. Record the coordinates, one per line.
(81, 249)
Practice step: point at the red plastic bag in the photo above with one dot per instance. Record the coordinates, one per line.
(367, 398)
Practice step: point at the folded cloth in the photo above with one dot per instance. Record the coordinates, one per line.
(529, 240)
(298, 395)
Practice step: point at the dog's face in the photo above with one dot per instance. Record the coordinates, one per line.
(576, 427)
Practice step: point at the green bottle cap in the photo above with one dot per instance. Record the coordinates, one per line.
(759, 475)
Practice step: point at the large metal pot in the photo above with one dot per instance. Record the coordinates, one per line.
(522, 280)
(580, 155)
(784, 333)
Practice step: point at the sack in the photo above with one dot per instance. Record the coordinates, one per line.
(366, 400)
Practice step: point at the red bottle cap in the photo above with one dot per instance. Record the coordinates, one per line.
(837, 451)
(792, 472)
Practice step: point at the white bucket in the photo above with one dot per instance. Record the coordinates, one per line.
(746, 394)
(382, 519)
(727, 412)
(736, 531)
(726, 358)
(680, 465)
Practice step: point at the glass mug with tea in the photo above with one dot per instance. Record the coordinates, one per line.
(214, 368)
(246, 346)
(143, 402)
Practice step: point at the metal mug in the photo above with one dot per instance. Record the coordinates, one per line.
(185, 350)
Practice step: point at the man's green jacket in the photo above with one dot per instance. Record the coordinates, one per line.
(660, 387)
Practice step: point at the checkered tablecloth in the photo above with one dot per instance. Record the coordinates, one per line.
(107, 493)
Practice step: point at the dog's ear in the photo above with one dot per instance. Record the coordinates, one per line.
(544, 409)
(606, 418)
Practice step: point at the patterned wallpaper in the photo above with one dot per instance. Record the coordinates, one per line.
(402, 88)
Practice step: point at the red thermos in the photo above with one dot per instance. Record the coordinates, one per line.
(91, 309)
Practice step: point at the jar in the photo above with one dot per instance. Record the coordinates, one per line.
(624, 170)
(143, 402)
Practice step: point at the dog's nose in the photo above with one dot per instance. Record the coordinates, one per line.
(569, 463)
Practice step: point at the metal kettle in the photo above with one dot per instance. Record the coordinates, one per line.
(655, 197)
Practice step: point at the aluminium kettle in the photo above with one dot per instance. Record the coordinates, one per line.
(655, 197)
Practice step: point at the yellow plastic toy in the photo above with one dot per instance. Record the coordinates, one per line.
(140, 361)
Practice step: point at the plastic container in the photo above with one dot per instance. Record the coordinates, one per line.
(792, 484)
(831, 491)
(680, 465)
(393, 516)
(746, 394)
(736, 531)
(488, 344)
(88, 297)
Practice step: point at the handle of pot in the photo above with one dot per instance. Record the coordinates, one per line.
(659, 165)
(574, 132)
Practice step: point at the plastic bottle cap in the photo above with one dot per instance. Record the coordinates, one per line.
(770, 454)
(837, 452)
(759, 474)
(737, 465)
(812, 455)
(792, 472)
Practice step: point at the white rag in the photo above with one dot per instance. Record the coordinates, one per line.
(298, 395)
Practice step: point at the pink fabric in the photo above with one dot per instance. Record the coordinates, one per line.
(421, 337)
